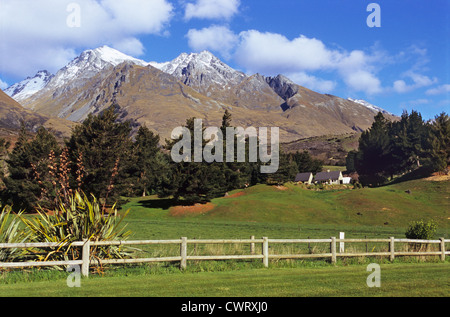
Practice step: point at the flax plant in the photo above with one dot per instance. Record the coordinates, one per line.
(80, 219)
(10, 233)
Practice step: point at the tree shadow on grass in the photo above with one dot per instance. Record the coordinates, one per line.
(164, 203)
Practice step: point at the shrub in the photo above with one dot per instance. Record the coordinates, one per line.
(421, 230)
(10, 233)
(78, 220)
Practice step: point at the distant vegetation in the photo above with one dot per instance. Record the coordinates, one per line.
(410, 145)
(103, 158)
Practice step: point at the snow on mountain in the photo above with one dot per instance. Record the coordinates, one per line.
(201, 70)
(29, 86)
(86, 65)
(91, 62)
(370, 106)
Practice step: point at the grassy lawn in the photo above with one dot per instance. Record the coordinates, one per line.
(287, 212)
(298, 213)
(411, 280)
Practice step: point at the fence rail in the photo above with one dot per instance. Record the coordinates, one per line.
(265, 255)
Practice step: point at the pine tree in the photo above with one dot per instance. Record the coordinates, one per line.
(150, 163)
(306, 163)
(106, 147)
(373, 157)
(438, 157)
(287, 170)
(29, 182)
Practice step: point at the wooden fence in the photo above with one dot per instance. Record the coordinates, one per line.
(265, 255)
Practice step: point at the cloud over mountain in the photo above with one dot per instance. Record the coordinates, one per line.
(212, 9)
(37, 32)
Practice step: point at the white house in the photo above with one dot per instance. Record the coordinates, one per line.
(329, 177)
(305, 178)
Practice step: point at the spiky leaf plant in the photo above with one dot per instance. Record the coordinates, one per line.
(10, 233)
(79, 219)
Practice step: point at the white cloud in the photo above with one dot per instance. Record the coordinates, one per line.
(3, 85)
(312, 82)
(36, 35)
(272, 53)
(130, 46)
(418, 81)
(214, 38)
(363, 81)
(212, 9)
(439, 90)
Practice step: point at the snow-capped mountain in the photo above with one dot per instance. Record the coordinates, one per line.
(91, 62)
(86, 65)
(375, 109)
(164, 95)
(201, 70)
(29, 86)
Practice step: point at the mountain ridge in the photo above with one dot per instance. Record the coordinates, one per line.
(161, 95)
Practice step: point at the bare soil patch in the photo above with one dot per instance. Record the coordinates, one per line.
(197, 209)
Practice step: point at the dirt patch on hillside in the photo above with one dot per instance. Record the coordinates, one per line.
(197, 209)
(239, 194)
(279, 187)
(438, 178)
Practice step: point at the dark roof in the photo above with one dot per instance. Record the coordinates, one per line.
(302, 177)
(324, 176)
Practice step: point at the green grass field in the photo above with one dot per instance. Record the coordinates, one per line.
(288, 212)
(429, 279)
(298, 213)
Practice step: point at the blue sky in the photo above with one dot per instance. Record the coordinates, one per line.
(324, 45)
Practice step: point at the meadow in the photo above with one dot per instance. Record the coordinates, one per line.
(289, 211)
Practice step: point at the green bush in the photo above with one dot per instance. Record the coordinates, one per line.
(10, 233)
(421, 230)
(78, 220)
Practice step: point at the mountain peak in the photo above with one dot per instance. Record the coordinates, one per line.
(29, 86)
(372, 107)
(114, 56)
(200, 70)
(91, 62)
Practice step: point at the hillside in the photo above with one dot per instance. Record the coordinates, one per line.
(12, 114)
(331, 149)
(388, 207)
(164, 95)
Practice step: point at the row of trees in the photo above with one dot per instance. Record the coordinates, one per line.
(103, 159)
(390, 149)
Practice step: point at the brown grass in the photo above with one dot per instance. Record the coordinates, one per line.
(197, 209)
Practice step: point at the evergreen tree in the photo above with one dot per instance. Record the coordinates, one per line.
(373, 156)
(350, 161)
(150, 163)
(438, 157)
(193, 182)
(287, 170)
(4, 146)
(106, 148)
(306, 163)
(29, 182)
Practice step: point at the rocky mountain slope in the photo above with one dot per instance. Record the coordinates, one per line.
(12, 114)
(28, 87)
(164, 95)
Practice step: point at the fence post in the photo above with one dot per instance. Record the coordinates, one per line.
(333, 250)
(442, 249)
(85, 257)
(392, 249)
(252, 246)
(266, 251)
(341, 244)
(183, 253)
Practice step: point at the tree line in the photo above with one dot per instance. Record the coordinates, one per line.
(409, 145)
(105, 159)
